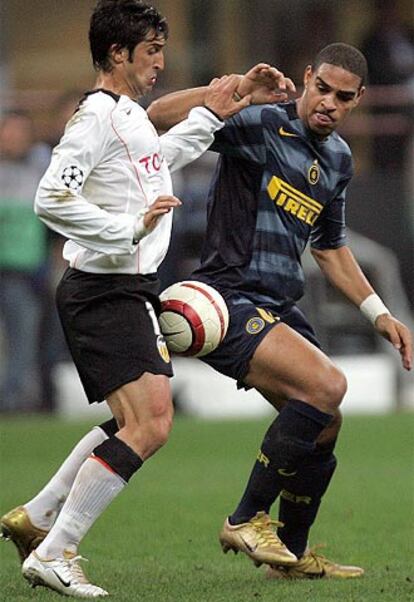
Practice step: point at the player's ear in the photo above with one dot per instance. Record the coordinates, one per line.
(117, 54)
(307, 75)
(360, 94)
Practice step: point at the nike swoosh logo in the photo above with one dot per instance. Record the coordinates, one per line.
(248, 546)
(285, 473)
(284, 132)
(63, 582)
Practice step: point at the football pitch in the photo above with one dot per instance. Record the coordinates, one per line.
(158, 541)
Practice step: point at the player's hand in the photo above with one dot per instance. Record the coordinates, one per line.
(265, 84)
(161, 206)
(220, 96)
(399, 336)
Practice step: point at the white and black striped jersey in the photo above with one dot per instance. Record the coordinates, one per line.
(109, 167)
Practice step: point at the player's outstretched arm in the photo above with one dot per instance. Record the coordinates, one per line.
(343, 271)
(168, 110)
(261, 84)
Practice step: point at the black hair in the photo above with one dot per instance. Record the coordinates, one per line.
(343, 55)
(123, 23)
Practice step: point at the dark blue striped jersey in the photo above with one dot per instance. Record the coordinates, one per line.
(276, 187)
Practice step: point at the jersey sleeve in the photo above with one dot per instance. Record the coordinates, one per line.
(189, 139)
(59, 200)
(329, 231)
(243, 136)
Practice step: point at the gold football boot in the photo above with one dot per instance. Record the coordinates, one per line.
(258, 539)
(314, 566)
(17, 527)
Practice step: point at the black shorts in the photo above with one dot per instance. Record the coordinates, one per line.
(248, 326)
(110, 325)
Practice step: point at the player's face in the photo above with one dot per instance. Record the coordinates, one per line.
(141, 70)
(330, 93)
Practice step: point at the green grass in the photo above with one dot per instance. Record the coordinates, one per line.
(157, 542)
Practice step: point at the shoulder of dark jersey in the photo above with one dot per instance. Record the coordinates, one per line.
(275, 110)
(338, 144)
(284, 111)
(341, 150)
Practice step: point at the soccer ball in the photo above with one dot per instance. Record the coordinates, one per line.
(194, 318)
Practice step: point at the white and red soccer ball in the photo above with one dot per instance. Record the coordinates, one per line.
(194, 318)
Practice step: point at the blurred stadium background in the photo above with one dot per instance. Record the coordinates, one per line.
(45, 67)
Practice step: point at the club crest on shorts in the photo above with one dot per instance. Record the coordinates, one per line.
(255, 325)
(314, 172)
(162, 349)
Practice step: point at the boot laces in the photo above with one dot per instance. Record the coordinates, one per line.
(265, 528)
(75, 570)
(318, 559)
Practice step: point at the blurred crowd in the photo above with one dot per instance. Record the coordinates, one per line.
(30, 264)
(31, 341)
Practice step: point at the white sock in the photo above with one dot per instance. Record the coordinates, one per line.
(45, 506)
(94, 488)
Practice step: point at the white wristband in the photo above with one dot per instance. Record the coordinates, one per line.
(372, 307)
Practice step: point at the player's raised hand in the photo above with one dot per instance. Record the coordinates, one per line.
(265, 84)
(221, 96)
(161, 206)
(399, 336)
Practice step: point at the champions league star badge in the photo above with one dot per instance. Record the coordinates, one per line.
(314, 172)
(72, 177)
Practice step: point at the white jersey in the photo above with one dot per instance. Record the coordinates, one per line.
(109, 167)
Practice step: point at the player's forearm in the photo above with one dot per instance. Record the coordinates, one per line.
(86, 224)
(344, 273)
(167, 111)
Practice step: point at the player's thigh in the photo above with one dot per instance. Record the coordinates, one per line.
(288, 366)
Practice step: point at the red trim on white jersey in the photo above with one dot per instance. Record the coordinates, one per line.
(134, 167)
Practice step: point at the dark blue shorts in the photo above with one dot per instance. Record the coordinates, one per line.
(247, 328)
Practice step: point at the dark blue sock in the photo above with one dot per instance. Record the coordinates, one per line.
(289, 439)
(301, 496)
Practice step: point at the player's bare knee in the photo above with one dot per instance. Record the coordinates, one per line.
(332, 387)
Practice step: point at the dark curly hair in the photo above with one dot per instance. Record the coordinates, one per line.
(123, 23)
(345, 56)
